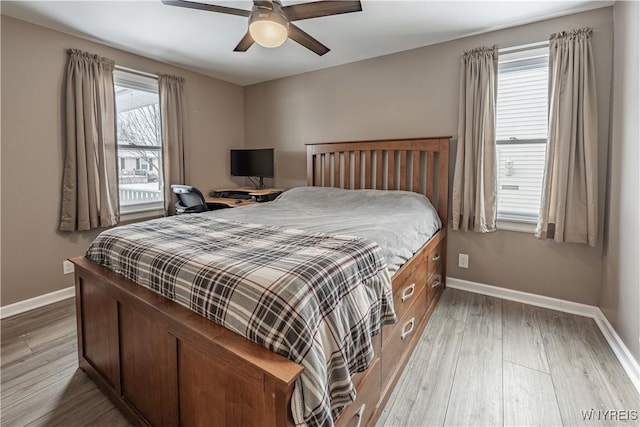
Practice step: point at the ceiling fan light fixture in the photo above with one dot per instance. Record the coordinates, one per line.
(269, 28)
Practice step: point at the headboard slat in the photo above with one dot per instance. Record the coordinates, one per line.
(430, 173)
(336, 170)
(403, 171)
(347, 170)
(415, 172)
(391, 180)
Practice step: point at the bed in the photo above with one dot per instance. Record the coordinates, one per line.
(133, 340)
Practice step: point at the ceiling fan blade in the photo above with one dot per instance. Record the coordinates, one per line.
(299, 36)
(316, 9)
(245, 43)
(208, 7)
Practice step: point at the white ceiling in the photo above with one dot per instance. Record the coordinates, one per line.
(204, 41)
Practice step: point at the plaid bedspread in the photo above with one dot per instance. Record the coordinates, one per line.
(314, 298)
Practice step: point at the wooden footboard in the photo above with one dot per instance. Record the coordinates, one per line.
(164, 365)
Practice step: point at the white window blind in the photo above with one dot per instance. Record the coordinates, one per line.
(521, 131)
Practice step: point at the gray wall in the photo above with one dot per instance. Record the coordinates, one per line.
(33, 63)
(415, 93)
(620, 300)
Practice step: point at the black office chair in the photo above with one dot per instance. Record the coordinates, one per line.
(190, 199)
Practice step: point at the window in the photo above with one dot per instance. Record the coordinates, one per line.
(139, 143)
(521, 131)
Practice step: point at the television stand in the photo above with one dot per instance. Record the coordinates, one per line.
(245, 193)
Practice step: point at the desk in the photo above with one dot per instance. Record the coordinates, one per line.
(261, 195)
(231, 203)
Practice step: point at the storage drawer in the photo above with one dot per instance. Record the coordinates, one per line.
(434, 260)
(416, 267)
(435, 286)
(396, 337)
(405, 293)
(360, 411)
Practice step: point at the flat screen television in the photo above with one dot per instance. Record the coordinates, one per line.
(253, 163)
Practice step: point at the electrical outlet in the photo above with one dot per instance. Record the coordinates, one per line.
(463, 260)
(67, 267)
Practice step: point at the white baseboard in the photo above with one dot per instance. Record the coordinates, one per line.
(40, 301)
(524, 297)
(628, 362)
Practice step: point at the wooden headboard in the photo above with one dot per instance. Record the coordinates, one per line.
(420, 165)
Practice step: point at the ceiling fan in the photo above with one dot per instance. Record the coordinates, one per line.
(270, 23)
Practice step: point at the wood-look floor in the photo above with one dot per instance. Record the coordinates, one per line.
(480, 362)
(40, 380)
(483, 361)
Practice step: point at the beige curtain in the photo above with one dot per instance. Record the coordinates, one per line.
(569, 206)
(90, 177)
(171, 91)
(474, 181)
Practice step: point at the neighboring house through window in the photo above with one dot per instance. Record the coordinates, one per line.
(521, 133)
(139, 142)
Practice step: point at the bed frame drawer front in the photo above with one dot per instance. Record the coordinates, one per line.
(408, 290)
(435, 286)
(360, 411)
(414, 271)
(397, 338)
(408, 283)
(434, 260)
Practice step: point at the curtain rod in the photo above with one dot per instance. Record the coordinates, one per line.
(522, 47)
(138, 72)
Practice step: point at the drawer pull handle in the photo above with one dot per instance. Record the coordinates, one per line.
(408, 328)
(408, 292)
(360, 415)
(436, 258)
(436, 283)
